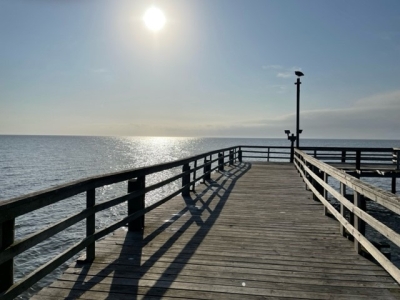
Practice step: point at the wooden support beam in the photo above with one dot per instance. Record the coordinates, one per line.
(231, 157)
(186, 180)
(343, 159)
(194, 175)
(358, 162)
(316, 185)
(7, 233)
(136, 204)
(221, 160)
(342, 208)
(358, 223)
(90, 224)
(207, 169)
(325, 193)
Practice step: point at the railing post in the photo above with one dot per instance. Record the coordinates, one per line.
(231, 157)
(137, 203)
(315, 183)
(268, 154)
(240, 154)
(359, 224)
(358, 161)
(342, 208)
(186, 180)
(292, 153)
(325, 193)
(90, 224)
(207, 169)
(7, 233)
(194, 175)
(396, 158)
(320, 189)
(343, 160)
(306, 175)
(220, 161)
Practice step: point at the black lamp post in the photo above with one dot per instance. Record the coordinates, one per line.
(292, 138)
(299, 74)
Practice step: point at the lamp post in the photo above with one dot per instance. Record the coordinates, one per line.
(292, 138)
(299, 74)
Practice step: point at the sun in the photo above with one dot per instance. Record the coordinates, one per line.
(154, 19)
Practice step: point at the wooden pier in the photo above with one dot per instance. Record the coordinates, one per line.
(250, 230)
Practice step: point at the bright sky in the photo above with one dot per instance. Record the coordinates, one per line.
(217, 68)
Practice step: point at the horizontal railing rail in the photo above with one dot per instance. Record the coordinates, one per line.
(194, 169)
(315, 174)
(270, 153)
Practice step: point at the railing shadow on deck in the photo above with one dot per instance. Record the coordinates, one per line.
(134, 242)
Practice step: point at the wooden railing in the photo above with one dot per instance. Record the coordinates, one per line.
(315, 174)
(354, 156)
(268, 153)
(193, 169)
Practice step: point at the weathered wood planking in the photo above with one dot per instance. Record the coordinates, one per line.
(253, 232)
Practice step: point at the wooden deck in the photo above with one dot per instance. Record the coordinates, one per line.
(253, 232)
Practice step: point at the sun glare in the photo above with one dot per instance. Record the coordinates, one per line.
(154, 19)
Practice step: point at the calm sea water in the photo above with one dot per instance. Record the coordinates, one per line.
(32, 163)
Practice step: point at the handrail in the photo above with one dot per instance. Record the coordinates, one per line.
(315, 174)
(348, 149)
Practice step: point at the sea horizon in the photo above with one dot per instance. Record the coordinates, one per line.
(219, 137)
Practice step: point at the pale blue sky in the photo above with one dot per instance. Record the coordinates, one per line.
(218, 68)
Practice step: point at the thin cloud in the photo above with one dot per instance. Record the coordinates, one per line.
(390, 99)
(283, 72)
(374, 117)
(284, 75)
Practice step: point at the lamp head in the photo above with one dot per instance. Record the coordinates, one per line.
(298, 73)
(287, 132)
(300, 131)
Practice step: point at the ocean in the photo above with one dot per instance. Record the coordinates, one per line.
(32, 163)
